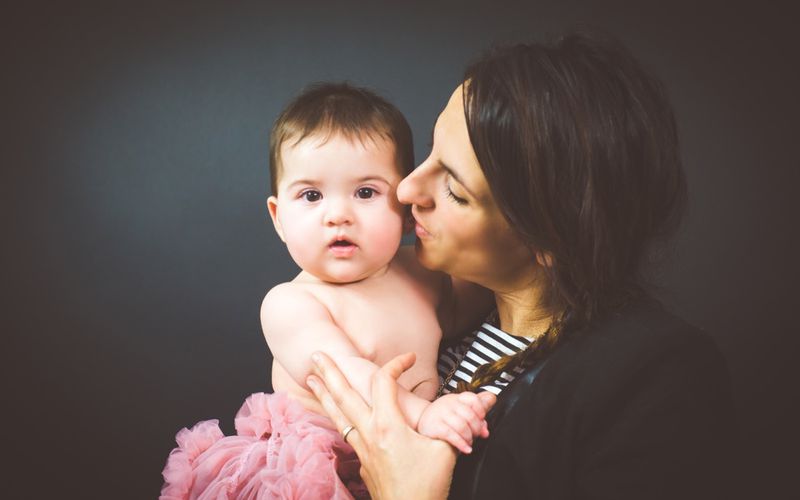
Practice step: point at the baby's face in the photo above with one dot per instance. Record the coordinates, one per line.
(337, 208)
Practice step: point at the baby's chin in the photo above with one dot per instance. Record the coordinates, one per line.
(346, 277)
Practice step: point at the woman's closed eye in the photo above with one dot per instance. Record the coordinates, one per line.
(452, 196)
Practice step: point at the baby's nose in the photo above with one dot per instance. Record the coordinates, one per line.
(338, 213)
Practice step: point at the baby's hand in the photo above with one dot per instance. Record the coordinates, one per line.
(457, 418)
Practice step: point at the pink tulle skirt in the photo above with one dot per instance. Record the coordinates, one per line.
(280, 450)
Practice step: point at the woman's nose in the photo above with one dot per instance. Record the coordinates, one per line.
(413, 190)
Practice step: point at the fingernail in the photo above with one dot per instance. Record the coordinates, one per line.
(311, 383)
(469, 449)
(315, 358)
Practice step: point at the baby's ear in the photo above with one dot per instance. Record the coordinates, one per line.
(272, 207)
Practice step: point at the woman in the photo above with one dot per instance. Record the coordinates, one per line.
(554, 171)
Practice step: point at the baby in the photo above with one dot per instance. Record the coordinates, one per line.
(337, 155)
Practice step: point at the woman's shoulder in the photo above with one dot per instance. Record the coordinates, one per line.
(642, 330)
(641, 347)
(640, 391)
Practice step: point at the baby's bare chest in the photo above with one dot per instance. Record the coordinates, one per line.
(385, 320)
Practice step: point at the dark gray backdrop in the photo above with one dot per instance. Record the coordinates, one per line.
(139, 247)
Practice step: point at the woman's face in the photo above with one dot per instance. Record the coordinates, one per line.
(459, 228)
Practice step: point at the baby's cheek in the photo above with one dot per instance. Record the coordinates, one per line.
(302, 250)
(387, 235)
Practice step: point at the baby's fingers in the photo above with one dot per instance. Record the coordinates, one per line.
(476, 423)
(476, 402)
(461, 426)
(456, 440)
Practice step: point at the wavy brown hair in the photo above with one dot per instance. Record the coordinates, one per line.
(579, 146)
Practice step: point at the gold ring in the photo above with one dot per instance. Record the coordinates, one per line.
(346, 431)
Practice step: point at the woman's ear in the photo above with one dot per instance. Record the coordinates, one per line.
(544, 259)
(272, 207)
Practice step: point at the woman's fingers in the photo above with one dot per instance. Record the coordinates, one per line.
(399, 364)
(487, 399)
(329, 405)
(341, 401)
(384, 387)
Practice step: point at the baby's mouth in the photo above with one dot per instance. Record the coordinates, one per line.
(342, 243)
(342, 248)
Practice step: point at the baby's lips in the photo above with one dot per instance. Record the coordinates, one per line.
(341, 241)
(342, 245)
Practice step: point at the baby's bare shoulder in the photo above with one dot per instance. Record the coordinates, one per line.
(286, 300)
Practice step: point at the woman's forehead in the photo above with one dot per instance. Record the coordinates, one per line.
(450, 131)
(454, 109)
(453, 147)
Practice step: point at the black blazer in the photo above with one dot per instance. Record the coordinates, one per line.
(636, 407)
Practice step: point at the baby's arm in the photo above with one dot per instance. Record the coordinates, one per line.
(457, 418)
(296, 324)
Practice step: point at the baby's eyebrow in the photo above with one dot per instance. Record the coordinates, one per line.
(301, 181)
(373, 178)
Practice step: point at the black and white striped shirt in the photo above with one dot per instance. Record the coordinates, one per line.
(485, 345)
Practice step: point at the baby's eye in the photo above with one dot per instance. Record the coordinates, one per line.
(365, 193)
(311, 195)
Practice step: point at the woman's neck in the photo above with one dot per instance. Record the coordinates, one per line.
(523, 312)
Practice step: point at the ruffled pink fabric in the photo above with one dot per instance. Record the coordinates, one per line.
(280, 450)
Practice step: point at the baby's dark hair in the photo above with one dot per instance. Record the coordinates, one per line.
(340, 108)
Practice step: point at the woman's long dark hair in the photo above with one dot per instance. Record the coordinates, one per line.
(579, 146)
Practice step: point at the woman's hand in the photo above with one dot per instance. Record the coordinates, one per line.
(396, 461)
